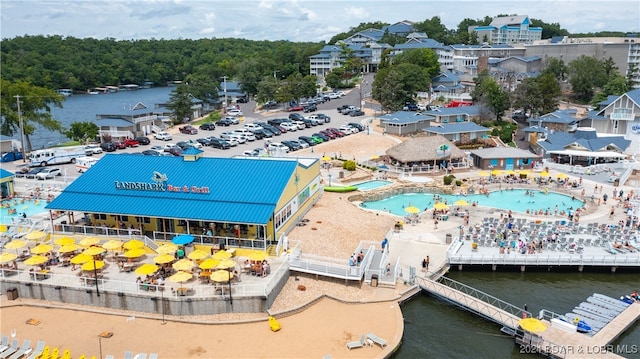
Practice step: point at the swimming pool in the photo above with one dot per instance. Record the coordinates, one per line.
(516, 200)
(28, 207)
(373, 184)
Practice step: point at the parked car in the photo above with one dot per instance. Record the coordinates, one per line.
(207, 126)
(255, 152)
(219, 143)
(296, 108)
(289, 126)
(151, 153)
(264, 133)
(310, 108)
(235, 113)
(252, 126)
(48, 173)
(323, 117)
(232, 135)
(355, 113)
(303, 144)
(356, 125)
(276, 121)
(120, 145)
(324, 137)
(336, 132)
(175, 150)
(158, 149)
(143, 140)
(410, 107)
(204, 141)
(164, 136)
(293, 146)
(108, 146)
(309, 140)
(295, 117)
(194, 144)
(92, 149)
(276, 131)
(189, 130)
(317, 138)
(130, 142)
(30, 173)
(278, 147)
(348, 130)
(225, 122)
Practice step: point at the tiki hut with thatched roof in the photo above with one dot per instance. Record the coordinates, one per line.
(426, 150)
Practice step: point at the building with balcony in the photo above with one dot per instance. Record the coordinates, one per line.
(515, 29)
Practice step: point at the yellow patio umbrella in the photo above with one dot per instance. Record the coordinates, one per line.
(183, 265)
(544, 174)
(146, 269)
(326, 158)
(440, 206)
(484, 174)
(133, 244)
(69, 248)
(7, 257)
(93, 251)
(3, 228)
(258, 256)
(461, 202)
(36, 260)
(197, 254)
(63, 241)
(563, 176)
(221, 276)
(525, 172)
(163, 259)
(209, 263)
(15, 244)
(167, 248)
(226, 264)
(374, 157)
(412, 209)
(180, 276)
(35, 235)
(510, 172)
(81, 258)
(533, 325)
(89, 241)
(112, 245)
(92, 265)
(496, 172)
(221, 255)
(42, 248)
(134, 253)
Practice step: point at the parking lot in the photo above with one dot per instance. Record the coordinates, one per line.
(69, 171)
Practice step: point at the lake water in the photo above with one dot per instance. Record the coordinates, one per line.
(437, 329)
(84, 108)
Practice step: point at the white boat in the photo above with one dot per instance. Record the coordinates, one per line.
(595, 321)
(65, 92)
(614, 306)
(605, 313)
(609, 299)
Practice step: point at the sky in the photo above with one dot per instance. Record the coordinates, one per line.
(293, 20)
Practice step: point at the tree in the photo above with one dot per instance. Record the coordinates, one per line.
(549, 30)
(180, 103)
(549, 90)
(557, 68)
(488, 92)
(585, 75)
(396, 85)
(335, 78)
(434, 29)
(632, 73)
(527, 96)
(267, 89)
(35, 107)
(616, 86)
(427, 59)
(82, 131)
(201, 86)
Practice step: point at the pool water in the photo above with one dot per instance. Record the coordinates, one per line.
(29, 207)
(516, 200)
(369, 185)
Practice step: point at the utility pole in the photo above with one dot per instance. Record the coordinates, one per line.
(24, 155)
(224, 79)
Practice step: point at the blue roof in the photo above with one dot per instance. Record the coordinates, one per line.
(423, 44)
(217, 189)
(113, 122)
(446, 76)
(4, 173)
(560, 140)
(458, 127)
(404, 117)
(558, 116)
(448, 111)
(634, 95)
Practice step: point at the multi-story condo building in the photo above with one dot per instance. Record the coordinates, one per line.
(515, 29)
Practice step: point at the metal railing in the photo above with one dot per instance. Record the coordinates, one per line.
(486, 305)
(628, 260)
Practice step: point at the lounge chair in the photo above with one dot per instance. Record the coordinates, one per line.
(376, 339)
(128, 355)
(358, 344)
(38, 350)
(14, 347)
(153, 356)
(24, 350)
(109, 356)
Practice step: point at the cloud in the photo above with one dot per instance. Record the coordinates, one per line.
(356, 12)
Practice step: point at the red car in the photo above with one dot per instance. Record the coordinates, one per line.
(130, 142)
(329, 134)
(336, 132)
(189, 130)
(296, 108)
(120, 145)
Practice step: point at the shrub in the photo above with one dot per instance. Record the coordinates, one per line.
(448, 179)
(458, 183)
(349, 165)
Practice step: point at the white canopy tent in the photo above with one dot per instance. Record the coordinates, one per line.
(587, 154)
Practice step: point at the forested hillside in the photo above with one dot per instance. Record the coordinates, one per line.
(66, 62)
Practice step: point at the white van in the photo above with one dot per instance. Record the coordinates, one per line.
(84, 163)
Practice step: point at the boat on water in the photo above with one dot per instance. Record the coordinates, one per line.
(594, 320)
(65, 92)
(580, 324)
(340, 189)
